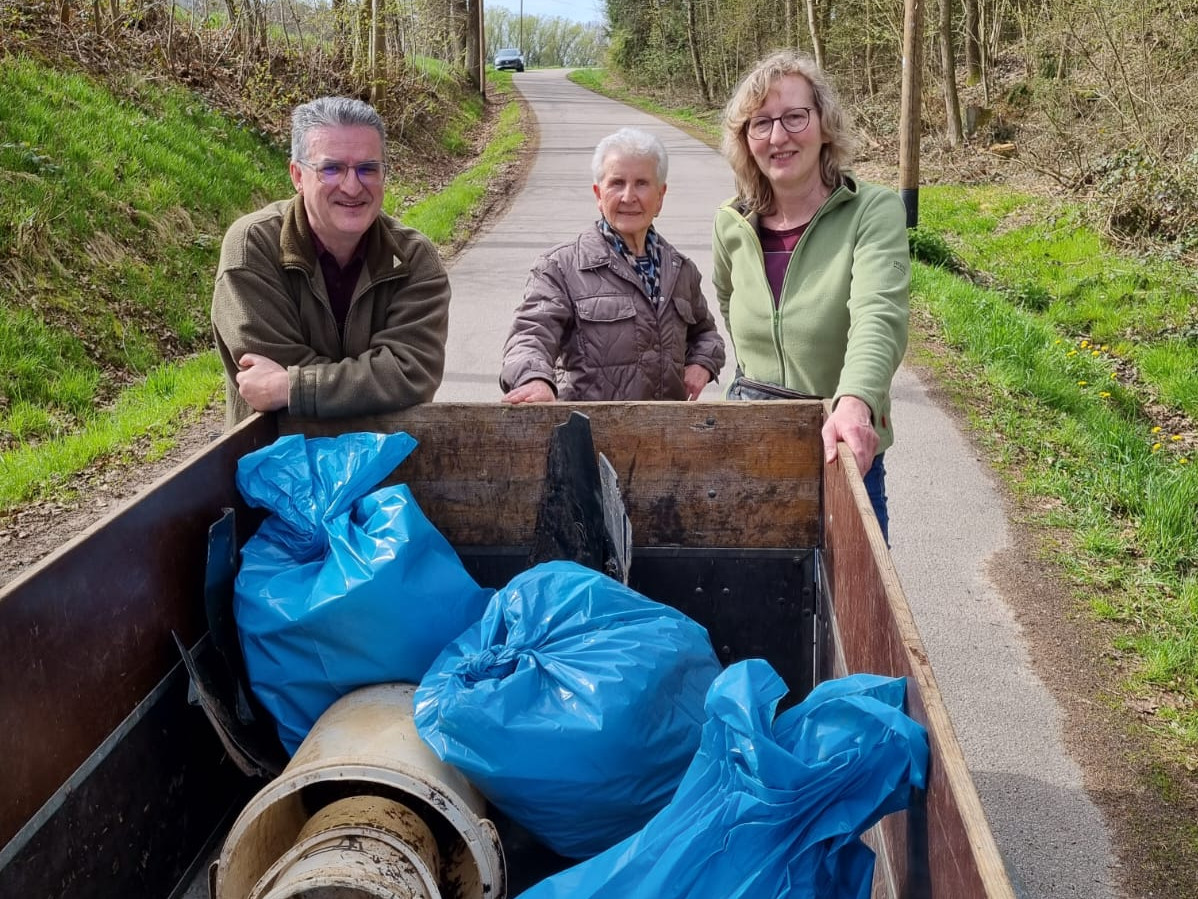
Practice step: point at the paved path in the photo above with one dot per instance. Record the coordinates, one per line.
(947, 520)
(556, 203)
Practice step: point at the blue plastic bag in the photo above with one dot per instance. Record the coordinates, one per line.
(770, 808)
(575, 705)
(341, 588)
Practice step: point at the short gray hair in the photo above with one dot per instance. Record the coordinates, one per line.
(331, 112)
(631, 142)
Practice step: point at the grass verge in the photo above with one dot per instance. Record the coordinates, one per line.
(90, 361)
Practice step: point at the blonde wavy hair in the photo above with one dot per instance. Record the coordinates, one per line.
(840, 144)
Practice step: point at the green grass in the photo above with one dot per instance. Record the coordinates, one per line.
(112, 211)
(150, 413)
(109, 228)
(701, 123)
(1069, 417)
(440, 216)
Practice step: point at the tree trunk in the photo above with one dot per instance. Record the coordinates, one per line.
(376, 43)
(342, 48)
(870, 87)
(692, 40)
(973, 43)
(230, 7)
(471, 36)
(817, 37)
(458, 14)
(948, 62)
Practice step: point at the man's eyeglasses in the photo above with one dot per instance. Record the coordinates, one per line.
(793, 120)
(368, 174)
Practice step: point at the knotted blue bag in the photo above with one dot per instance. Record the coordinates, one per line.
(341, 587)
(770, 809)
(574, 705)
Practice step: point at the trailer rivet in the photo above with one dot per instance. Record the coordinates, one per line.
(711, 493)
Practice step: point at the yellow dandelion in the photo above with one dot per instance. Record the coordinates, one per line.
(1104, 347)
(1071, 353)
(1082, 383)
(1104, 393)
(1057, 342)
(1155, 447)
(1183, 461)
(1157, 429)
(1095, 353)
(1175, 437)
(1084, 344)
(1114, 375)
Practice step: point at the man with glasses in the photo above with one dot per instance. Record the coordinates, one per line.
(324, 305)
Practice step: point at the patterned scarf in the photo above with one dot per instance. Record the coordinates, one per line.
(647, 266)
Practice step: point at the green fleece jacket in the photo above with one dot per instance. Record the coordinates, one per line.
(840, 328)
(270, 298)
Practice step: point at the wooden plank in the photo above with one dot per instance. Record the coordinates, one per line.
(692, 474)
(943, 848)
(86, 634)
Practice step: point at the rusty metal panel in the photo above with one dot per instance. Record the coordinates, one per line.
(86, 634)
(132, 819)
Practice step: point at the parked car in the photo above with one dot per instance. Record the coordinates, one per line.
(509, 59)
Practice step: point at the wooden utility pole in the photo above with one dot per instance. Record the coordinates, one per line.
(909, 124)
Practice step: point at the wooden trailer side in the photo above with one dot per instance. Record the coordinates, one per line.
(693, 474)
(943, 848)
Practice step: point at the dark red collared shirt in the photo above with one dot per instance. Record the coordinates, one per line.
(339, 281)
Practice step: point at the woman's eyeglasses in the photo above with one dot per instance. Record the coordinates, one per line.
(793, 120)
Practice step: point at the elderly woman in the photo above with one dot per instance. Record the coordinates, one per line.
(811, 265)
(616, 313)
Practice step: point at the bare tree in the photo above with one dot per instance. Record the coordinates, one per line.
(470, 36)
(817, 36)
(692, 40)
(948, 62)
(377, 42)
(973, 43)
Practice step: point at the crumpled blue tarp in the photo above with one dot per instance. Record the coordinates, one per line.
(341, 587)
(770, 808)
(575, 705)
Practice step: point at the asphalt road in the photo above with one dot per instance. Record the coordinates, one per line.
(947, 519)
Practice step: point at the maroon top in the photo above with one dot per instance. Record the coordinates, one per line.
(339, 281)
(778, 247)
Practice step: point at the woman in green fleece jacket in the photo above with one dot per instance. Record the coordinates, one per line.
(812, 267)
